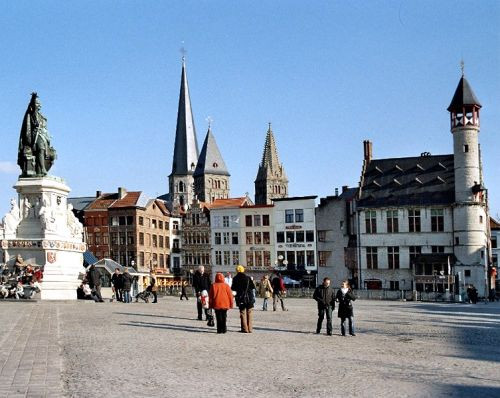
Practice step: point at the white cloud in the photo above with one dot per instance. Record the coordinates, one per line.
(9, 168)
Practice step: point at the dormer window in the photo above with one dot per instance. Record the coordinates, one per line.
(215, 165)
(192, 166)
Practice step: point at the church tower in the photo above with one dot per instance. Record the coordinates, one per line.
(271, 182)
(470, 208)
(211, 177)
(181, 182)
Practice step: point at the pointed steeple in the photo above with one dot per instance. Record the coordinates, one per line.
(186, 144)
(210, 160)
(463, 96)
(271, 181)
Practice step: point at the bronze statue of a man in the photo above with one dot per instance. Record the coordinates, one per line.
(35, 155)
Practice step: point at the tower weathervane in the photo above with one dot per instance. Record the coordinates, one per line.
(209, 121)
(462, 67)
(183, 52)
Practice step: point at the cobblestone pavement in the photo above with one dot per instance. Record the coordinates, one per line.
(87, 349)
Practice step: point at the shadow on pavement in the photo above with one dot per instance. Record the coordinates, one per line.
(192, 329)
(458, 390)
(156, 316)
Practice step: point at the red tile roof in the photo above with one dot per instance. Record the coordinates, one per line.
(231, 202)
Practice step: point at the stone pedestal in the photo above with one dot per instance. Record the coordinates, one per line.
(47, 235)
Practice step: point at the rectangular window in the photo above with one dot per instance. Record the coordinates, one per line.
(437, 249)
(160, 224)
(105, 239)
(437, 220)
(266, 238)
(234, 221)
(392, 221)
(130, 238)
(310, 258)
(122, 221)
(480, 219)
(97, 221)
(289, 216)
(153, 223)
(162, 261)
(457, 241)
(167, 241)
(225, 238)
(299, 236)
(301, 258)
(415, 251)
(249, 238)
(265, 220)
(371, 258)
(130, 220)
(280, 237)
(175, 244)
(494, 242)
(90, 222)
(160, 240)
(90, 239)
(394, 285)
(122, 238)
(290, 257)
(299, 215)
(218, 238)
(466, 148)
(114, 221)
(248, 221)
(371, 222)
(323, 258)
(256, 221)
(218, 257)
(257, 238)
(141, 220)
(175, 225)
(414, 220)
(249, 256)
(225, 221)
(97, 238)
(393, 257)
(309, 236)
(141, 238)
(236, 257)
(227, 257)
(155, 241)
(321, 236)
(234, 238)
(467, 273)
(258, 258)
(290, 237)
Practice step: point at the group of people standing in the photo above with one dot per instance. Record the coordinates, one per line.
(326, 299)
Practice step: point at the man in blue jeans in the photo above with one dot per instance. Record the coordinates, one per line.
(325, 297)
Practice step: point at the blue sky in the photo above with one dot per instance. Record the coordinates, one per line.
(327, 74)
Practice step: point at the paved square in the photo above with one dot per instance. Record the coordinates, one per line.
(84, 349)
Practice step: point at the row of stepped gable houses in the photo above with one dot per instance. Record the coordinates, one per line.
(413, 223)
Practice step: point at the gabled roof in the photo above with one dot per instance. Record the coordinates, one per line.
(421, 180)
(494, 224)
(231, 202)
(130, 199)
(81, 203)
(186, 144)
(210, 160)
(463, 96)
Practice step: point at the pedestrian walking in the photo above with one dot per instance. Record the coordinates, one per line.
(345, 297)
(201, 281)
(126, 286)
(153, 288)
(94, 279)
(245, 298)
(184, 290)
(221, 300)
(266, 291)
(117, 282)
(325, 298)
(278, 292)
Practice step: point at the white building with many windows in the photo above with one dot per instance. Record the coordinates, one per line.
(295, 232)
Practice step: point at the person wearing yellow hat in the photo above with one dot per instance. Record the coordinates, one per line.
(245, 298)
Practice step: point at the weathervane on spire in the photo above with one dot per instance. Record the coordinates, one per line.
(183, 51)
(209, 121)
(269, 125)
(462, 67)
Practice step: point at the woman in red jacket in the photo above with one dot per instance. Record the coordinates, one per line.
(220, 299)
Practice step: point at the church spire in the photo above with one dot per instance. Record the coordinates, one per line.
(271, 181)
(185, 148)
(186, 145)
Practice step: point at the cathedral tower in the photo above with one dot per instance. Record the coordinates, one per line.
(271, 182)
(470, 207)
(211, 177)
(181, 182)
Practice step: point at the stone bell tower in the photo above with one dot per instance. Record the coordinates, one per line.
(470, 208)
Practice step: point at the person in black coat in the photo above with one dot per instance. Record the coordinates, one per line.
(245, 299)
(94, 278)
(127, 280)
(325, 297)
(345, 297)
(201, 281)
(117, 282)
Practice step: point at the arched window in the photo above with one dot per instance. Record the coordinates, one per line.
(181, 186)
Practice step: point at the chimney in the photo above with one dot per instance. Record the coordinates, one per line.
(121, 192)
(368, 150)
(98, 193)
(345, 188)
(336, 192)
